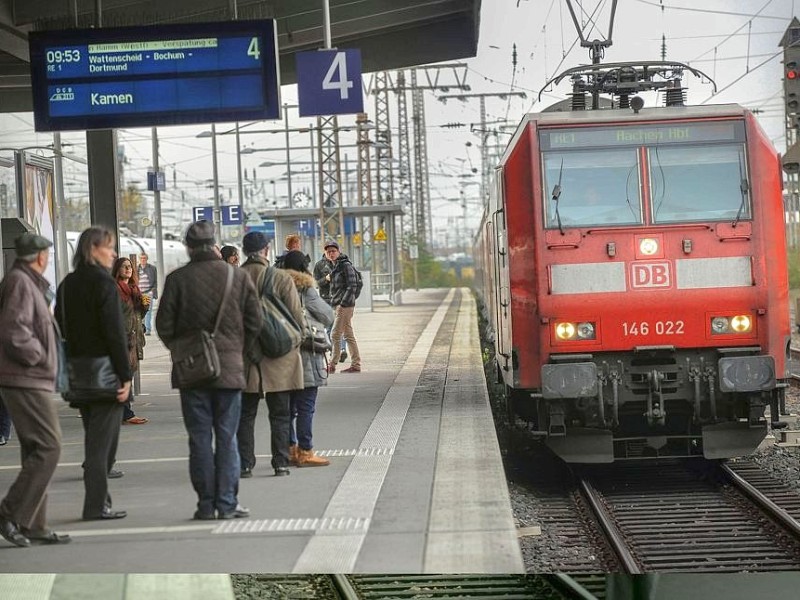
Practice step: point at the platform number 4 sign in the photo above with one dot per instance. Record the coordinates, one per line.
(329, 82)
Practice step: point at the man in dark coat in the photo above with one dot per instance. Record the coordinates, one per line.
(190, 301)
(28, 363)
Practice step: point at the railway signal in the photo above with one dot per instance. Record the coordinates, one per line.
(791, 72)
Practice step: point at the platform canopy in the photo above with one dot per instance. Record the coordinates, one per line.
(391, 34)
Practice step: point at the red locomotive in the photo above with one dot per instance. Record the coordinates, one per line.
(634, 273)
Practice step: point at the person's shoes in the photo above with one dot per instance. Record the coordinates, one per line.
(343, 356)
(240, 512)
(352, 370)
(3, 440)
(148, 333)
(201, 516)
(107, 514)
(246, 473)
(136, 421)
(282, 471)
(331, 368)
(115, 474)
(12, 534)
(293, 450)
(46, 537)
(307, 458)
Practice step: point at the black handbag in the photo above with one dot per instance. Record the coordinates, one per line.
(195, 360)
(83, 379)
(91, 379)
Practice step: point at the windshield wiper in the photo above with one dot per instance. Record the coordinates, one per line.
(744, 185)
(557, 194)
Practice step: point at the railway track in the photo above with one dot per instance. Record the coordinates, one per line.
(410, 587)
(696, 516)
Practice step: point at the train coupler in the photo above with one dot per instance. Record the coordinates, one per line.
(655, 414)
(555, 422)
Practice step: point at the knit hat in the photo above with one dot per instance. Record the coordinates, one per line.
(199, 234)
(296, 261)
(331, 244)
(254, 242)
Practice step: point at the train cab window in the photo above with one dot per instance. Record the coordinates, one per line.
(698, 183)
(592, 187)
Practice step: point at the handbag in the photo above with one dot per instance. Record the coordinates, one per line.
(91, 379)
(83, 379)
(195, 360)
(315, 337)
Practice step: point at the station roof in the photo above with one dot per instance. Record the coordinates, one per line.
(391, 34)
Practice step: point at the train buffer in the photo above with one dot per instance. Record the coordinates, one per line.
(415, 484)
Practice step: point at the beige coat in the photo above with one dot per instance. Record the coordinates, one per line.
(284, 373)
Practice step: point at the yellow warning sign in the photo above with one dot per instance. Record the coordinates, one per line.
(357, 239)
(380, 235)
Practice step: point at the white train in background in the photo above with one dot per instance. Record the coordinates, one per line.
(174, 251)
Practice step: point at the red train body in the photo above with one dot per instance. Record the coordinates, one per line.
(634, 273)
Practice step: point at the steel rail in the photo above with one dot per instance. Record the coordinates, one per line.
(774, 511)
(345, 588)
(626, 558)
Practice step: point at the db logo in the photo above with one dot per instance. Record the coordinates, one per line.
(650, 275)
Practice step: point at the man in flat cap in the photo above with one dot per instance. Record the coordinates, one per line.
(28, 364)
(191, 300)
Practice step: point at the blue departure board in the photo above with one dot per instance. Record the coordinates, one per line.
(117, 77)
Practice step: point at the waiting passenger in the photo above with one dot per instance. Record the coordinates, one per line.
(133, 309)
(89, 311)
(148, 283)
(319, 315)
(230, 254)
(273, 378)
(191, 300)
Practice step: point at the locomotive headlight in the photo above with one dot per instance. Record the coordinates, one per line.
(648, 246)
(565, 331)
(586, 331)
(734, 324)
(741, 323)
(576, 331)
(720, 325)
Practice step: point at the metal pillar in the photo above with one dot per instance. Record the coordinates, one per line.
(421, 185)
(331, 216)
(364, 171)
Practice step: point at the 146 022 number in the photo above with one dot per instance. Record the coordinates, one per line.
(658, 327)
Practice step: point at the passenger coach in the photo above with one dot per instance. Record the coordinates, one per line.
(634, 272)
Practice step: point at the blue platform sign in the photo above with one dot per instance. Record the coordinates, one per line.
(329, 82)
(116, 77)
(156, 181)
(231, 214)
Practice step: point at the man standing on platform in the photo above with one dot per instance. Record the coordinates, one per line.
(28, 364)
(193, 298)
(344, 286)
(148, 285)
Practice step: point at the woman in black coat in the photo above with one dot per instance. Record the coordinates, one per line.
(89, 312)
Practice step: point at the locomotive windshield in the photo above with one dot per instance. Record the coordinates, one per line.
(691, 172)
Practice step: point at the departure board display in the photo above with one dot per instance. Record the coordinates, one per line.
(110, 78)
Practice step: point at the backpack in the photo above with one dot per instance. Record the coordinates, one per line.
(359, 282)
(280, 333)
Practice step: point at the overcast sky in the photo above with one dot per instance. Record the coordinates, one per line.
(733, 41)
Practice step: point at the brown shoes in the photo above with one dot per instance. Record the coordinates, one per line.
(307, 458)
(293, 453)
(137, 421)
(352, 370)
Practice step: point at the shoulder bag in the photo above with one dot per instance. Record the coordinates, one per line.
(195, 360)
(83, 379)
(315, 337)
(280, 333)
